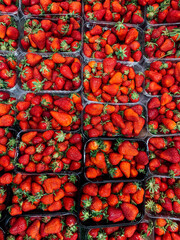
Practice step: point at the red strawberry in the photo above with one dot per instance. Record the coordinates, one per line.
(19, 226)
(130, 211)
(39, 39)
(115, 214)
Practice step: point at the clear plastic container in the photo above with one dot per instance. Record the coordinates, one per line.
(164, 213)
(147, 122)
(13, 88)
(106, 26)
(157, 24)
(48, 55)
(156, 172)
(16, 19)
(143, 132)
(88, 224)
(43, 215)
(63, 172)
(106, 22)
(40, 211)
(146, 58)
(21, 98)
(145, 220)
(146, 65)
(136, 66)
(21, 10)
(53, 18)
(107, 177)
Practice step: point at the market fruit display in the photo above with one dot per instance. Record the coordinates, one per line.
(113, 120)
(118, 41)
(114, 11)
(7, 112)
(55, 34)
(49, 112)
(52, 7)
(109, 203)
(166, 229)
(49, 151)
(56, 72)
(39, 193)
(140, 231)
(111, 81)
(7, 149)
(164, 155)
(162, 42)
(161, 77)
(115, 159)
(162, 196)
(89, 120)
(46, 227)
(9, 33)
(163, 114)
(163, 11)
(8, 73)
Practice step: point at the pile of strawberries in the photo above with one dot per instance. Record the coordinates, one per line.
(163, 11)
(162, 42)
(140, 231)
(164, 155)
(161, 77)
(39, 193)
(8, 73)
(51, 6)
(166, 229)
(163, 114)
(49, 112)
(56, 227)
(7, 149)
(113, 120)
(118, 41)
(52, 35)
(163, 196)
(114, 11)
(111, 203)
(9, 33)
(50, 151)
(111, 81)
(117, 159)
(54, 73)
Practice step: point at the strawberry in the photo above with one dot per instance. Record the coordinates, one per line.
(167, 155)
(130, 211)
(91, 189)
(33, 229)
(19, 226)
(66, 72)
(53, 226)
(142, 158)
(115, 215)
(12, 33)
(3, 30)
